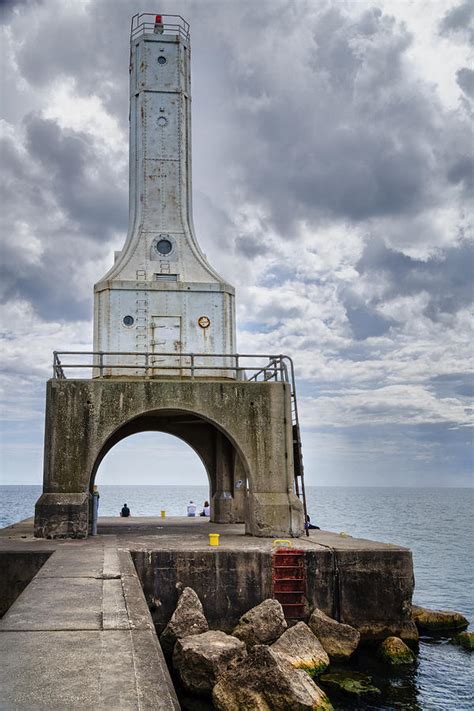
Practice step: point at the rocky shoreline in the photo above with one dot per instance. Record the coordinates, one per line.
(267, 664)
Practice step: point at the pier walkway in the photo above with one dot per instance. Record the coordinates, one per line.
(78, 633)
(80, 636)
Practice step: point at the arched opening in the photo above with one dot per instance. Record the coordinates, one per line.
(151, 472)
(219, 456)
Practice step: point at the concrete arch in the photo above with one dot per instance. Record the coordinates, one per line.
(225, 465)
(242, 431)
(102, 455)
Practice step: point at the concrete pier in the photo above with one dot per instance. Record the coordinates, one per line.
(81, 635)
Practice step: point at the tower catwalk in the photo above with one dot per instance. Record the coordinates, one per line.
(161, 296)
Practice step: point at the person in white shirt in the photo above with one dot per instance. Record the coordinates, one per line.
(191, 508)
(206, 511)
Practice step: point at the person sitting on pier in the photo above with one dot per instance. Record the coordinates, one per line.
(206, 511)
(308, 523)
(125, 512)
(191, 508)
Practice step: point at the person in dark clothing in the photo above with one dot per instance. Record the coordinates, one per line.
(125, 512)
(308, 524)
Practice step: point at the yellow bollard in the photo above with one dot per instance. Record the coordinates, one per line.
(214, 539)
(163, 514)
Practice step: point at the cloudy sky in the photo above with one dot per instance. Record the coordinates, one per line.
(332, 164)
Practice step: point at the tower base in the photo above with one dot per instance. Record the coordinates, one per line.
(240, 430)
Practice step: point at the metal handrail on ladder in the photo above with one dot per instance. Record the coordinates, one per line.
(296, 432)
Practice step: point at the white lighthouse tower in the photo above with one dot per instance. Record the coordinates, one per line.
(161, 296)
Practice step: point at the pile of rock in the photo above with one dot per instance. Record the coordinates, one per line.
(438, 621)
(444, 623)
(266, 664)
(262, 664)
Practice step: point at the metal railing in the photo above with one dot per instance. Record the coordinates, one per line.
(240, 366)
(146, 23)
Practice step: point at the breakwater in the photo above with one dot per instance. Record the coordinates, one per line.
(141, 536)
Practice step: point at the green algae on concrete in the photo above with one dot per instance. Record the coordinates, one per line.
(350, 683)
(438, 620)
(464, 640)
(393, 650)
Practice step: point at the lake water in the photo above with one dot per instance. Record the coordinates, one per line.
(437, 524)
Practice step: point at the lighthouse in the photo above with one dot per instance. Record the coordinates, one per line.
(164, 357)
(161, 296)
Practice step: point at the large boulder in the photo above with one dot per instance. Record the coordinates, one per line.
(201, 658)
(350, 683)
(302, 649)
(394, 651)
(339, 640)
(262, 624)
(266, 681)
(438, 620)
(465, 640)
(187, 619)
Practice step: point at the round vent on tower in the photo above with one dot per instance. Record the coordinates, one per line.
(161, 59)
(128, 321)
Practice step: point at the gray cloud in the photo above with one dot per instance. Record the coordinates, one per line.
(365, 321)
(446, 278)
(465, 79)
(9, 7)
(63, 204)
(88, 190)
(459, 21)
(347, 132)
(453, 385)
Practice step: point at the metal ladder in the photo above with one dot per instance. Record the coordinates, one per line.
(297, 448)
(289, 582)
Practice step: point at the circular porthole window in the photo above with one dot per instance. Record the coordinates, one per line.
(164, 246)
(128, 321)
(204, 321)
(161, 59)
(162, 121)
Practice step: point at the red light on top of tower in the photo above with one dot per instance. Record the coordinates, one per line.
(158, 19)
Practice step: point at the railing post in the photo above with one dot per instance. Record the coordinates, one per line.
(55, 360)
(192, 366)
(101, 364)
(237, 370)
(146, 365)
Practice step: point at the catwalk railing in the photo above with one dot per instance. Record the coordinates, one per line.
(150, 23)
(104, 364)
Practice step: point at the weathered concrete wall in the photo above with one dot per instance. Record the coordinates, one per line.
(370, 590)
(17, 569)
(245, 427)
(227, 583)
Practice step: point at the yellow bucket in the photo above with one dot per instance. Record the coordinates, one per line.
(214, 539)
(163, 514)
